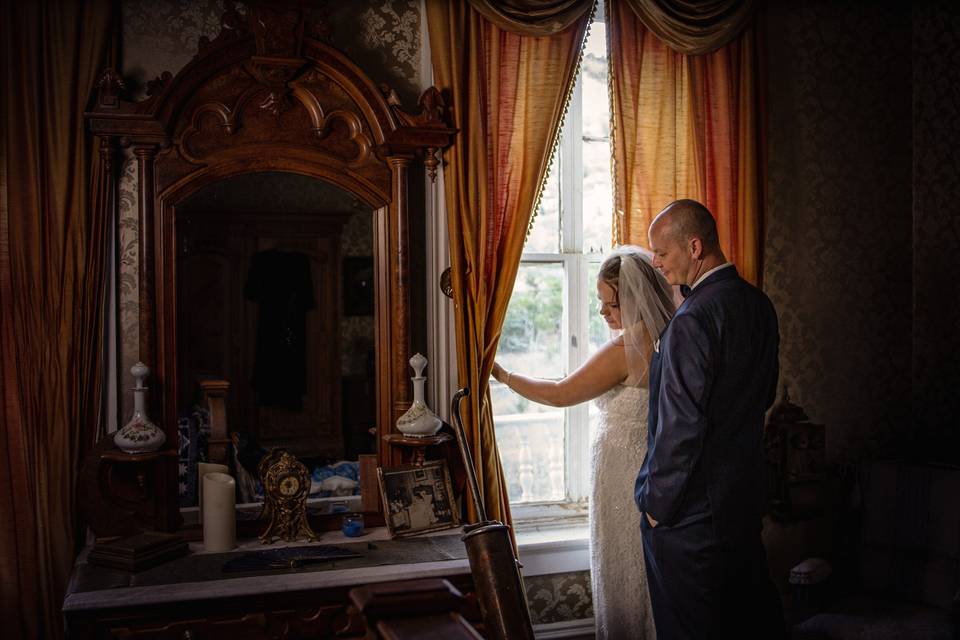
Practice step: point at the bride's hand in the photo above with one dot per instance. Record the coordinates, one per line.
(499, 373)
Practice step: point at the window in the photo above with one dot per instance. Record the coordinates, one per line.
(552, 324)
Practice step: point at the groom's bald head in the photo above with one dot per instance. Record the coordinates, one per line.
(683, 238)
(682, 220)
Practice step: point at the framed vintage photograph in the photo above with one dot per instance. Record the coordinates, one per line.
(417, 499)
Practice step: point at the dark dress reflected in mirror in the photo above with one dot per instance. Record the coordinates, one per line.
(275, 295)
(279, 283)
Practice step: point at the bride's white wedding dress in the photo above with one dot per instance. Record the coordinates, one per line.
(621, 603)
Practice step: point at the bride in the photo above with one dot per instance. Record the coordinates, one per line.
(636, 303)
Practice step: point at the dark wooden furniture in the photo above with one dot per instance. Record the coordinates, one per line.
(796, 455)
(267, 96)
(125, 493)
(899, 577)
(191, 598)
(215, 400)
(411, 609)
(415, 449)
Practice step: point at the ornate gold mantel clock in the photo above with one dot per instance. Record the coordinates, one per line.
(286, 485)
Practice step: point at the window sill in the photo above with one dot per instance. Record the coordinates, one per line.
(553, 548)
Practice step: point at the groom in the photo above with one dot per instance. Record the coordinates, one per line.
(701, 487)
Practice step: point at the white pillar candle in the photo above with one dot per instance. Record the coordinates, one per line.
(219, 512)
(203, 468)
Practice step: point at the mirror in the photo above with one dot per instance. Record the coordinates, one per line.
(275, 295)
(266, 109)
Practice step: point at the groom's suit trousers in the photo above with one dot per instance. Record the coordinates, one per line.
(703, 588)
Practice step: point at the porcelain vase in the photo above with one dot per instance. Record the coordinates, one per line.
(418, 421)
(140, 434)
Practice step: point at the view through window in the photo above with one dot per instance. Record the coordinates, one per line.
(552, 324)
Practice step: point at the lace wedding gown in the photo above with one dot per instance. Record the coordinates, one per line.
(621, 603)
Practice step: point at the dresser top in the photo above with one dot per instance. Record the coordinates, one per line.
(200, 575)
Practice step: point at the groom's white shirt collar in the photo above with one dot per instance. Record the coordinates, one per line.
(714, 270)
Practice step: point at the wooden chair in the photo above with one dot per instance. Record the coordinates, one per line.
(409, 609)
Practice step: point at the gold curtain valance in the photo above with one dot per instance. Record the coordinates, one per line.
(532, 17)
(694, 27)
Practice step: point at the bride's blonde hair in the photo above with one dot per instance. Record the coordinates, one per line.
(645, 299)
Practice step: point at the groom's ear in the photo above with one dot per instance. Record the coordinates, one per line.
(695, 247)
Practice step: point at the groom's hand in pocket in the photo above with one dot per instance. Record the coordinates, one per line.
(650, 520)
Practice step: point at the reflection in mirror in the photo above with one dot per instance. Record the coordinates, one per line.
(275, 295)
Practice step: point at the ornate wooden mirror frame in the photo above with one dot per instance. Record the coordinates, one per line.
(265, 95)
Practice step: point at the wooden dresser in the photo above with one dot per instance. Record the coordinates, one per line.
(192, 598)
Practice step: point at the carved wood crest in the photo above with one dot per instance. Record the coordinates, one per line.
(267, 80)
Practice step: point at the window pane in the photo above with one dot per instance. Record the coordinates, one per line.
(531, 450)
(597, 197)
(596, 99)
(530, 436)
(545, 235)
(599, 333)
(531, 337)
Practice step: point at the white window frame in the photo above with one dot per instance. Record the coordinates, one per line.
(567, 517)
(575, 327)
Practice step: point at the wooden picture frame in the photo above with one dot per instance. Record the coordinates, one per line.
(417, 498)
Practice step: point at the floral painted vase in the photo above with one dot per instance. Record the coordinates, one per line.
(139, 435)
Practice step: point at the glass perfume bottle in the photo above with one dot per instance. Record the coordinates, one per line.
(140, 434)
(419, 421)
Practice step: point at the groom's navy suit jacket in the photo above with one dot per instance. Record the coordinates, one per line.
(712, 379)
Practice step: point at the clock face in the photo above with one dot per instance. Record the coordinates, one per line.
(289, 486)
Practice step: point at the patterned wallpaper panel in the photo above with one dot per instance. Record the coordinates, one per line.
(128, 253)
(162, 35)
(936, 184)
(838, 230)
(559, 596)
(381, 36)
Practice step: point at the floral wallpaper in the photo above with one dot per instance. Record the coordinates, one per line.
(936, 183)
(162, 35)
(559, 596)
(127, 256)
(387, 44)
(837, 261)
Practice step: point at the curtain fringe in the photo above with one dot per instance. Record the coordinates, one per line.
(555, 143)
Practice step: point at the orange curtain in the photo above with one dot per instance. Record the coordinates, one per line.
(52, 273)
(508, 92)
(686, 126)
